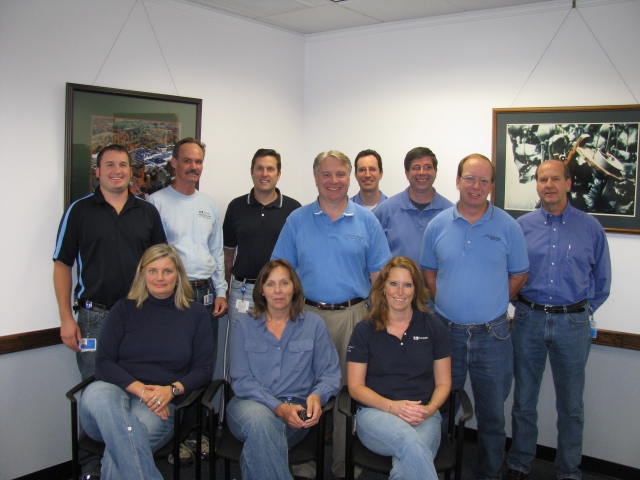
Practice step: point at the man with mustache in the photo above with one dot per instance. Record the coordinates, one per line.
(193, 227)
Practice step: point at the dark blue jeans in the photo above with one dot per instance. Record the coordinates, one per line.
(566, 338)
(484, 351)
(199, 296)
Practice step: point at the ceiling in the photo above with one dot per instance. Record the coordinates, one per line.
(314, 16)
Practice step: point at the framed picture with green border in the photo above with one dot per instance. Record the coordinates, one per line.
(147, 124)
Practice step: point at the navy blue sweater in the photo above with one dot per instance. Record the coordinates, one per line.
(156, 344)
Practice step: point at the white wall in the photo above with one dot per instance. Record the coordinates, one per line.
(430, 83)
(250, 78)
(435, 83)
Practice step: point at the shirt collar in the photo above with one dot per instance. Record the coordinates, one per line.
(349, 211)
(277, 203)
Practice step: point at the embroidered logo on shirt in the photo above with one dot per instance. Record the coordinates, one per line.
(204, 214)
(416, 338)
(493, 237)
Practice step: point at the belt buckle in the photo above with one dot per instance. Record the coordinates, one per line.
(547, 308)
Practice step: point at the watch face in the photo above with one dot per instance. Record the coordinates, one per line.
(175, 390)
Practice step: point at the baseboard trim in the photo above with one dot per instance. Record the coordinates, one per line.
(590, 464)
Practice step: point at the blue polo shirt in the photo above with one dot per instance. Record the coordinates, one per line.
(404, 224)
(333, 258)
(568, 256)
(473, 261)
(356, 199)
(401, 369)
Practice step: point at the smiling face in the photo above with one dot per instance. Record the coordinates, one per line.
(278, 290)
(399, 289)
(552, 186)
(265, 174)
(332, 180)
(421, 175)
(161, 276)
(114, 172)
(188, 166)
(475, 183)
(368, 173)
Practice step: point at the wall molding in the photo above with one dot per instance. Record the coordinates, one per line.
(29, 340)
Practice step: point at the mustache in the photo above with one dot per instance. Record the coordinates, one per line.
(194, 172)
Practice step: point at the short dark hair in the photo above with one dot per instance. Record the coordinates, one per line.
(481, 157)
(114, 147)
(419, 152)
(176, 147)
(366, 153)
(259, 302)
(266, 152)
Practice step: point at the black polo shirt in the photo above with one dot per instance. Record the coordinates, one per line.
(401, 369)
(106, 246)
(253, 229)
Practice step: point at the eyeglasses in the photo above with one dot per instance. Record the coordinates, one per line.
(471, 180)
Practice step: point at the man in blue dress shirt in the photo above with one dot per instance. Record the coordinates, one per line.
(569, 278)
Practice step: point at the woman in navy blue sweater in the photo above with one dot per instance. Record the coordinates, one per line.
(155, 346)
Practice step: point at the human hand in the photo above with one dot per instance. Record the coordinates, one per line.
(289, 413)
(411, 411)
(219, 306)
(70, 334)
(157, 397)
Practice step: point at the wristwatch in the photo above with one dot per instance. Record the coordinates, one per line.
(175, 390)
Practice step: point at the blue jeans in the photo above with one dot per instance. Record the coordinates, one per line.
(90, 322)
(412, 448)
(130, 431)
(485, 352)
(239, 291)
(198, 296)
(266, 437)
(566, 339)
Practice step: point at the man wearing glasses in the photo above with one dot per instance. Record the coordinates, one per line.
(474, 260)
(405, 215)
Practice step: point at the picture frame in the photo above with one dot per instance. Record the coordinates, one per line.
(148, 124)
(598, 143)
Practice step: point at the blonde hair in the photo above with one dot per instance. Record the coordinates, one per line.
(139, 292)
(379, 313)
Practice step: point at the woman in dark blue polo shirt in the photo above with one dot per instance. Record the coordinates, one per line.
(399, 372)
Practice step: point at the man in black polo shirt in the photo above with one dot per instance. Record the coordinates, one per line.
(104, 233)
(251, 228)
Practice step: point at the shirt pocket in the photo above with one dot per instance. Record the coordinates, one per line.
(300, 354)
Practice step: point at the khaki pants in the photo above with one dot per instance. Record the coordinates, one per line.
(340, 324)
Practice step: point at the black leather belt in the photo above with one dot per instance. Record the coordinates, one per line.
(200, 283)
(250, 281)
(573, 308)
(91, 305)
(334, 306)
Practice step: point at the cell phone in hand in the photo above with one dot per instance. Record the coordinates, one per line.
(303, 415)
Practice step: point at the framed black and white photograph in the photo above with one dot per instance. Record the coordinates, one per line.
(147, 124)
(599, 144)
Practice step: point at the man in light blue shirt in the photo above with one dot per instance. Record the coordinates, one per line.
(569, 278)
(337, 248)
(193, 226)
(474, 260)
(368, 173)
(405, 215)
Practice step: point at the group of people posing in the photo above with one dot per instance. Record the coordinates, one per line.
(399, 298)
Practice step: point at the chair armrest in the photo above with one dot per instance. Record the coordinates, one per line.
(345, 403)
(211, 392)
(467, 408)
(190, 399)
(71, 394)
